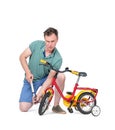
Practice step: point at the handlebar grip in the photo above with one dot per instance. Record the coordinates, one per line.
(43, 61)
(75, 72)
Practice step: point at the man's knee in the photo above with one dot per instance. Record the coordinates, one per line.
(24, 107)
(61, 77)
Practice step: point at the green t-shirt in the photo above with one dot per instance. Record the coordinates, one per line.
(36, 67)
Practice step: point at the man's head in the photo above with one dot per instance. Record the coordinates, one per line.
(50, 31)
(51, 38)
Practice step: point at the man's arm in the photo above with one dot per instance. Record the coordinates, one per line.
(24, 55)
(46, 84)
(49, 79)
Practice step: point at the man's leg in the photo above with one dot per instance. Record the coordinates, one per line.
(26, 98)
(25, 101)
(61, 82)
(25, 106)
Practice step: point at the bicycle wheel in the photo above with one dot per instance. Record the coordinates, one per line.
(86, 102)
(45, 103)
(96, 111)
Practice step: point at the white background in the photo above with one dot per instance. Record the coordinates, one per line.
(86, 42)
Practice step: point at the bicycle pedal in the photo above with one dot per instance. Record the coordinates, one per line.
(70, 110)
(70, 93)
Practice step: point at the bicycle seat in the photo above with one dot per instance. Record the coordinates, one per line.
(83, 74)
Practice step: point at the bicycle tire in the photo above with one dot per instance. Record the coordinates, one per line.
(44, 103)
(96, 110)
(83, 102)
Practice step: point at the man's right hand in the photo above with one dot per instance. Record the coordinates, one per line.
(29, 77)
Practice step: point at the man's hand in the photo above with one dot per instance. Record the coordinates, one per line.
(29, 77)
(35, 100)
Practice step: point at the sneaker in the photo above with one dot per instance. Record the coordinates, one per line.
(58, 109)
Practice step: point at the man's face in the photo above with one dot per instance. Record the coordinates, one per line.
(50, 42)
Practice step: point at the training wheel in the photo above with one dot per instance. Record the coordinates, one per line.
(96, 111)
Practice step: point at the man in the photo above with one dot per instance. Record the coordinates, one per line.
(38, 74)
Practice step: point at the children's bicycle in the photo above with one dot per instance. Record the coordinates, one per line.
(84, 101)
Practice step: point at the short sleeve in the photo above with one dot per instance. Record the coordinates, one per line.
(57, 64)
(32, 46)
(36, 45)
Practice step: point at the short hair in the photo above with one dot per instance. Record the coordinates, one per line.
(50, 31)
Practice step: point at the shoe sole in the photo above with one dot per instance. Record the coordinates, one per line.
(59, 112)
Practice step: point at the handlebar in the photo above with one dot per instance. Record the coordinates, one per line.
(83, 74)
